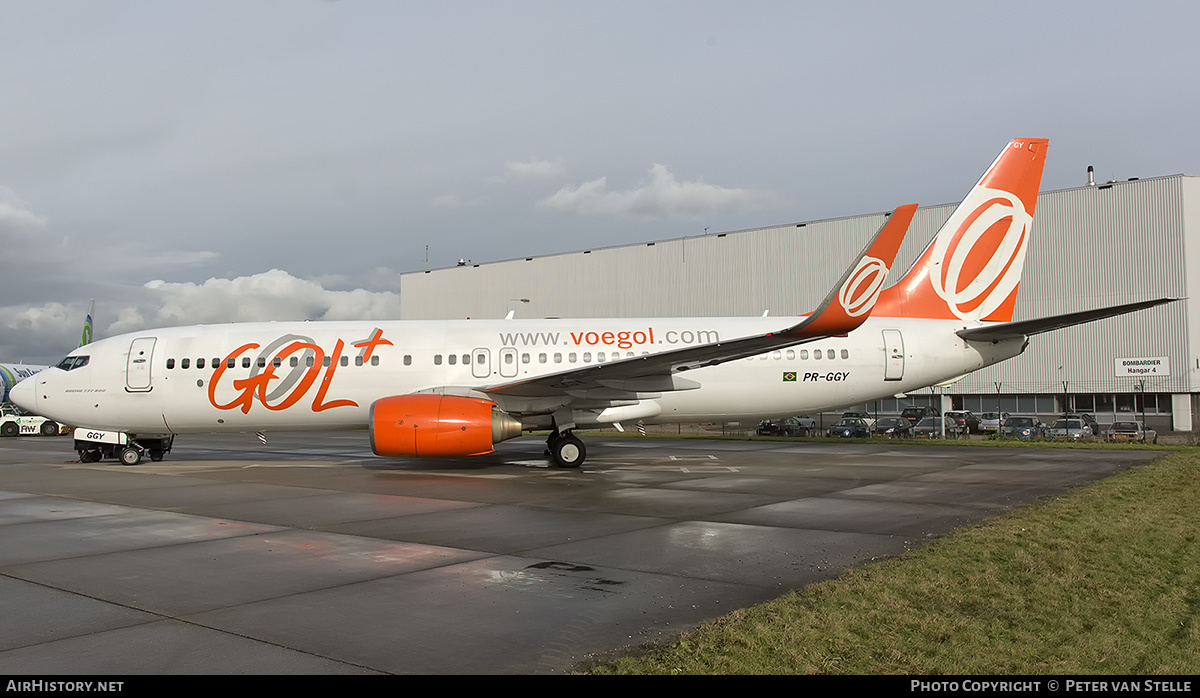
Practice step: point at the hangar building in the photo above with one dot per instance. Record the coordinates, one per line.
(1090, 247)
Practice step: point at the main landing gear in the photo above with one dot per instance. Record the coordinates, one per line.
(565, 449)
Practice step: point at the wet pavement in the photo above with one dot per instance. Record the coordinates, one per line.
(311, 555)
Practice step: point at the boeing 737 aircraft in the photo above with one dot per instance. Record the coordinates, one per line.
(456, 388)
(11, 374)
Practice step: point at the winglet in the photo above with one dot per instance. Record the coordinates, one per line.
(850, 302)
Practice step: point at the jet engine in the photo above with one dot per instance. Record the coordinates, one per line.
(438, 426)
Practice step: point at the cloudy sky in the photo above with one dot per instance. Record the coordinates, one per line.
(186, 162)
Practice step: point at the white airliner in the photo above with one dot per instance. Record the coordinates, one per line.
(456, 388)
(11, 374)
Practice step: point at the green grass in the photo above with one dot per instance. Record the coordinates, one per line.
(1102, 580)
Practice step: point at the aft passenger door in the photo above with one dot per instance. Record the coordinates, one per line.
(139, 364)
(893, 349)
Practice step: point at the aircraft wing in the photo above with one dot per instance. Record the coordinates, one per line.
(846, 307)
(1024, 328)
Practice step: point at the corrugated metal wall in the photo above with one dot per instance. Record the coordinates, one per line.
(1090, 247)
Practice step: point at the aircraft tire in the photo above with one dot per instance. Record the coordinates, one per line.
(130, 456)
(156, 455)
(568, 451)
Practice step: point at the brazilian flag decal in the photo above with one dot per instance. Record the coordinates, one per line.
(789, 376)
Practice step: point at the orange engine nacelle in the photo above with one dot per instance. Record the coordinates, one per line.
(438, 426)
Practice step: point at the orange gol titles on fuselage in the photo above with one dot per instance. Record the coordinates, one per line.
(294, 385)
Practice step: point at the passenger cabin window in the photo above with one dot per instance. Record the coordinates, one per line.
(170, 363)
(185, 363)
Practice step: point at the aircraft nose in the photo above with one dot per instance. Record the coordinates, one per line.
(24, 395)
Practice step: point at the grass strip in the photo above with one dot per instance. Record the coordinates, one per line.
(1102, 580)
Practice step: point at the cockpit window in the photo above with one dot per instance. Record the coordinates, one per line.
(72, 362)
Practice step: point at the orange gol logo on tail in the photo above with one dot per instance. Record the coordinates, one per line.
(972, 268)
(983, 243)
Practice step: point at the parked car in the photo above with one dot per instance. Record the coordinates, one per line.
(1022, 427)
(1092, 423)
(990, 422)
(861, 415)
(1093, 427)
(966, 419)
(850, 427)
(931, 428)
(916, 414)
(1130, 431)
(892, 428)
(789, 426)
(14, 422)
(1069, 429)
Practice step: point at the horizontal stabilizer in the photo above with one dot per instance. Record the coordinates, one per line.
(1024, 328)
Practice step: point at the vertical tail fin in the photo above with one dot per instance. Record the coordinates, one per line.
(972, 268)
(85, 337)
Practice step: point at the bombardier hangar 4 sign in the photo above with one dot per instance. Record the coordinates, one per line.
(1142, 366)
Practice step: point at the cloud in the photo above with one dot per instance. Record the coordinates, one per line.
(271, 295)
(663, 196)
(18, 223)
(457, 201)
(532, 169)
(43, 333)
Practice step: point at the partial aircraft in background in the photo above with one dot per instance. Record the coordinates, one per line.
(11, 374)
(456, 388)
